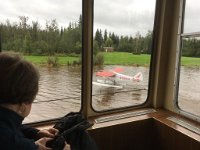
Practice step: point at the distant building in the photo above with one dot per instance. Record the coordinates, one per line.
(108, 49)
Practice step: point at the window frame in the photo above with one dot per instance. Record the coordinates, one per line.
(181, 35)
(87, 36)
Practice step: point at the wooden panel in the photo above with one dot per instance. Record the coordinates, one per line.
(144, 133)
(171, 139)
(138, 135)
(150, 131)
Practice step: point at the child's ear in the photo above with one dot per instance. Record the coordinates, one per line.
(22, 108)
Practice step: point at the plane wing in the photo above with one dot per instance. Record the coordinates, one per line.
(105, 74)
(110, 73)
(117, 70)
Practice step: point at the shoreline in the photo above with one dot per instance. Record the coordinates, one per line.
(114, 58)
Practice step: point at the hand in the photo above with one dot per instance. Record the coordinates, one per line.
(67, 147)
(42, 143)
(51, 132)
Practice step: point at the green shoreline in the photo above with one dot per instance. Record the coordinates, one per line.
(114, 58)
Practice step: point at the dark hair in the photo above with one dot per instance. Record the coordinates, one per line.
(18, 80)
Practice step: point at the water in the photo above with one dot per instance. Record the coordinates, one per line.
(60, 92)
(189, 90)
(132, 93)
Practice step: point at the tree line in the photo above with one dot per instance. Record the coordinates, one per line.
(33, 39)
(191, 47)
(134, 44)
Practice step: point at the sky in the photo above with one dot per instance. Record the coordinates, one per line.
(63, 11)
(123, 17)
(192, 19)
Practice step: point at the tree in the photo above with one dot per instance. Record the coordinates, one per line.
(148, 42)
(191, 47)
(99, 38)
(78, 47)
(125, 45)
(23, 22)
(105, 36)
(109, 42)
(40, 47)
(115, 40)
(138, 43)
(95, 47)
(35, 30)
(27, 44)
(53, 33)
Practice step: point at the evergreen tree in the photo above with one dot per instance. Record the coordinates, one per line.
(99, 38)
(105, 36)
(108, 42)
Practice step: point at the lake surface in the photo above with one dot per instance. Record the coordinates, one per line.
(60, 92)
(189, 90)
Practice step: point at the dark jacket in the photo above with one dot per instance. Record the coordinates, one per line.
(72, 129)
(14, 135)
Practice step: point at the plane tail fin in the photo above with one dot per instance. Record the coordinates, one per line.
(138, 77)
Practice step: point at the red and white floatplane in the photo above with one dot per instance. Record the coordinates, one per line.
(110, 78)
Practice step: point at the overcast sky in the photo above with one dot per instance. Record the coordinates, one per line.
(192, 19)
(124, 17)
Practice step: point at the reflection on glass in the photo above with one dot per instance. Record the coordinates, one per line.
(47, 33)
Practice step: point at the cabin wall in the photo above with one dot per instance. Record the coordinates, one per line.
(141, 135)
(138, 135)
(170, 139)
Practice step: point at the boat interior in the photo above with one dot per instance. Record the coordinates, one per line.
(158, 123)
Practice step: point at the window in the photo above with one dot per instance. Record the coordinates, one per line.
(189, 82)
(47, 33)
(122, 52)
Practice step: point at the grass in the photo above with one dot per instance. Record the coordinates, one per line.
(190, 61)
(122, 58)
(42, 60)
(114, 58)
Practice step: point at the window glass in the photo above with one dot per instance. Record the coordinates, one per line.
(122, 52)
(189, 82)
(191, 20)
(47, 33)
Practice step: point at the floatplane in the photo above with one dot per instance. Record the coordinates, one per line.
(110, 78)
